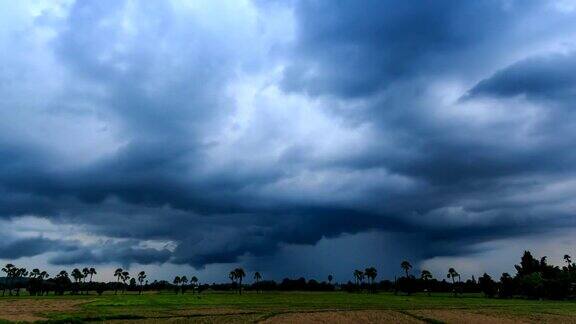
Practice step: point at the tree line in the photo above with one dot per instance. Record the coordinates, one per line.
(534, 278)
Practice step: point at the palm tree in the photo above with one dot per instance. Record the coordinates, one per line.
(86, 273)
(371, 274)
(177, 283)
(62, 279)
(14, 274)
(568, 260)
(141, 278)
(125, 277)
(239, 274)
(406, 266)
(34, 273)
(232, 277)
(330, 278)
(62, 274)
(34, 282)
(193, 282)
(77, 275)
(118, 275)
(43, 275)
(22, 272)
(183, 281)
(358, 277)
(92, 273)
(453, 274)
(257, 277)
(10, 271)
(425, 275)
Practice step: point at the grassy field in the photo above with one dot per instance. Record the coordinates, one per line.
(285, 307)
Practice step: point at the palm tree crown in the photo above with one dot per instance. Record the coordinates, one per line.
(371, 273)
(92, 273)
(406, 266)
(77, 274)
(452, 274)
(358, 276)
(237, 275)
(425, 275)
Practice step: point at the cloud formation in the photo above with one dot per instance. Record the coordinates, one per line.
(202, 132)
(549, 77)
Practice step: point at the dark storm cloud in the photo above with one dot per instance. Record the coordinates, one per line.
(28, 247)
(354, 49)
(548, 77)
(116, 253)
(167, 151)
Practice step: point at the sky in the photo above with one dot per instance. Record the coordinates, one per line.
(291, 137)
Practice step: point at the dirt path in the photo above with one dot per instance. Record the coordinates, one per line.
(482, 317)
(465, 316)
(368, 316)
(416, 316)
(32, 309)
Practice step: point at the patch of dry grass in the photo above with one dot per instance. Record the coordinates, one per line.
(368, 316)
(489, 317)
(32, 310)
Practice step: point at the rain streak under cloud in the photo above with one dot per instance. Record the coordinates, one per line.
(289, 137)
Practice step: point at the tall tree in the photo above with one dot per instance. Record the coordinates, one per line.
(125, 277)
(453, 274)
(77, 275)
(528, 264)
(239, 274)
(257, 278)
(62, 280)
(176, 282)
(42, 276)
(193, 282)
(425, 275)
(118, 275)
(507, 288)
(183, 282)
(330, 278)
(34, 283)
(141, 278)
(10, 271)
(20, 273)
(92, 273)
(358, 277)
(568, 261)
(406, 266)
(85, 273)
(34, 273)
(371, 274)
(487, 285)
(232, 276)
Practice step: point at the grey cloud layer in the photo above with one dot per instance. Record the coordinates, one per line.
(140, 128)
(547, 77)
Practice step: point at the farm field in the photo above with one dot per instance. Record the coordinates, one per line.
(284, 307)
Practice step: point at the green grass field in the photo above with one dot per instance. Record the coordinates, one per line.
(251, 307)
